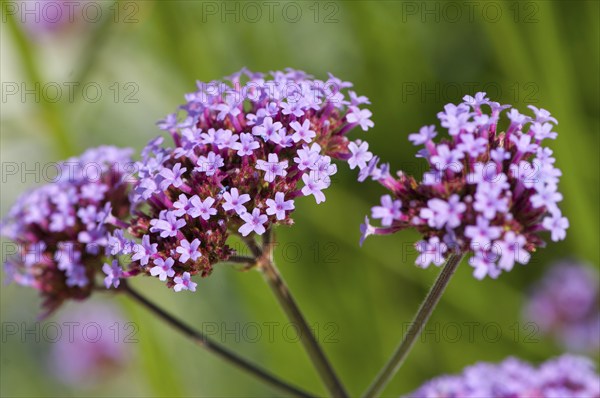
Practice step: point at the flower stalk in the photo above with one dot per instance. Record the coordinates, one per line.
(203, 341)
(272, 276)
(416, 326)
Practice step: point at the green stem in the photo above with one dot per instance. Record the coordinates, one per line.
(213, 347)
(275, 281)
(416, 326)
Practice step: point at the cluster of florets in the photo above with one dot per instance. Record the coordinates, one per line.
(565, 376)
(62, 228)
(566, 304)
(245, 150)
(486, 192)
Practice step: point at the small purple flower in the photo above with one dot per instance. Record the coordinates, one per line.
(224, 138)
(542, 115)
(172, 176)
(360, 116)
(167, 224)
(523, 143)
(209, 164)
(118, 244)
(302, 132)
(184, 206)
(557, 225)
(234, 201)
(360, 154)
(76, 276)
(273, 167)
(163, 268)
(254, 222)
(388, 211)
(93, 191)
(487, 201)
(426, 133)
(246, 146)
(476, 101)
(512, 249)
(431, 252)
(313, 187)
(546, 196)
(543, 131)
(267, 129)
(279, 206)
(144, 251)
(114, 273)
(482, 233)
(308, 157)
(188, 250)
(204, 208)
(472, 146)
(447, 158)
(184, 282)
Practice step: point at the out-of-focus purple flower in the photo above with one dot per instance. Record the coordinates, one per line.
(96, 347)
(45, 17)
(244, 152)
(488, 193)
(388, 211)
(561, 377)
(113, 272)
(63, 229)
(565, 304)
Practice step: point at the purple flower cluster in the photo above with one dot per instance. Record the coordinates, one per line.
(486, 192)
(566, 304)
(565, 376)
(245, 150)
(62, 228)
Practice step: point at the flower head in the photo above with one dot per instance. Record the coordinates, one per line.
(246, 149)
(487, 192)
(565, 304)
(63, 228)
(565, 376)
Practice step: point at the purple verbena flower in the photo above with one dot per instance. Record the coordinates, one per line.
(242, 153)
(279, 206)
(163, 268)
(565, 376)
(254, 223)
(488, 193)
(565, 304)
(184, 282)
(64, 228)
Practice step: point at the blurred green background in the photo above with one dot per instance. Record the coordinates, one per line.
(409, 58)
